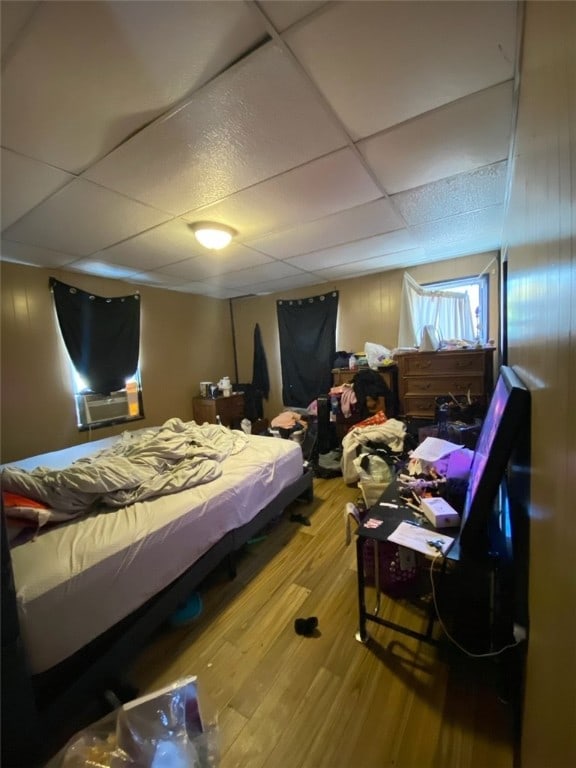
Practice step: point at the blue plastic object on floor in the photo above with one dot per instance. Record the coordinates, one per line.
(191, 609)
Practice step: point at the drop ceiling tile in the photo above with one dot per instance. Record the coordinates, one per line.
(260, 118)
(25, 183)
(363, 221)
(187, 271)
(83, 218)
(101, 269)
(380, 63)
(174, 242)
(379, 264)
(165, 244)
(284, 13)
(86, 75)
(460, 137)
(285, 284)
(274, 270)
(22, 253)
(155, 279)
(232, 259)
(461, 235)
(214, 291)
(357, 251)
(458, 194)
(318, 188)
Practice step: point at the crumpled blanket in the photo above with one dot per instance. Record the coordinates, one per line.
(391, 433)
(157, 462)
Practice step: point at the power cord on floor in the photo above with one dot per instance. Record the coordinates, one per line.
(448, 635)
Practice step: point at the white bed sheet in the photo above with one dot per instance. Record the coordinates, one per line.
(78, 579)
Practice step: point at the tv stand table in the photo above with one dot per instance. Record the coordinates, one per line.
(391, 517)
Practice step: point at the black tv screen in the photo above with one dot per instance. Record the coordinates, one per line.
(507, 414)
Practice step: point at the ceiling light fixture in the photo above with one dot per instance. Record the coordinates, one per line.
(212, 235)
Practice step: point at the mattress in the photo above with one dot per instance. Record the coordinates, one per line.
(77, 579)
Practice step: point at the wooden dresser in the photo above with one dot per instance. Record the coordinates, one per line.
(423, 376)
(230, 409)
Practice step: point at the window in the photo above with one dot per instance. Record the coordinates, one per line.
(476, 289)
(95, 410)
(457, 309)
(102, 338)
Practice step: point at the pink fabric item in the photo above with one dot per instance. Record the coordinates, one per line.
(347, 401)
(287, 420)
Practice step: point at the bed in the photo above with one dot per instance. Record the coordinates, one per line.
(88, 590)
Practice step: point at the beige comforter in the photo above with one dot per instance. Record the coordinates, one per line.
(138, 466)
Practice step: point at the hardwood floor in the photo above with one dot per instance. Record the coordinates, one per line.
(287, 701)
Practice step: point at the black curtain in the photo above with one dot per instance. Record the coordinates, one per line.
(260, 387)
(102, 335)
(307, 329)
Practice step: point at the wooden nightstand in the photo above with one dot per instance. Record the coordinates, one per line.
(230, 409)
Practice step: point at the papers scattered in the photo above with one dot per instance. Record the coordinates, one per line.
(432, 448)
(421, 539)
(373, 522)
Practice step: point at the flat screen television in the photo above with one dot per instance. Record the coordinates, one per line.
(504, 425)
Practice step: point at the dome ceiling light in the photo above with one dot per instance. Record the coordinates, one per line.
(212, 235)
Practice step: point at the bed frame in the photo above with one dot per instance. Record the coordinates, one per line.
(40, 712)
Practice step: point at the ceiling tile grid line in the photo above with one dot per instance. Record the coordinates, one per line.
(267, 141)
(112, 59)
(352, 144)
(322, 99)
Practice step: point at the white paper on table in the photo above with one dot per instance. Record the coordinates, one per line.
(433, 448)
(417, 538)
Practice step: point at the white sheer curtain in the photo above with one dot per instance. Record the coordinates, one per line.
(449, 312)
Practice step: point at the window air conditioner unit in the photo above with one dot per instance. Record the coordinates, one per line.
(99, 408)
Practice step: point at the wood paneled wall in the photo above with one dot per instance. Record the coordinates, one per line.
(178, 348)
(540, 230)
(368, 310)
(177, 352)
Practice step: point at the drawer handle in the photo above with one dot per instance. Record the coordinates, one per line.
(423, 363)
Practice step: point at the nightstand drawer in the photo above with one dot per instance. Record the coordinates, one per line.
(229, 409)
(232, 407)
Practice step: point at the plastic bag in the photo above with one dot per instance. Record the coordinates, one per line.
(170, 728)
(376, 354)
(371, 467)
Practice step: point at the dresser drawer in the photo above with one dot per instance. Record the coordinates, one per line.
(424, 407)
(229, 409)
(424, 376)
(453, 363)
(420, 406)
(342, 376)
(443, 385)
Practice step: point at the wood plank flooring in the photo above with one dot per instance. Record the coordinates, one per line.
(287, 701)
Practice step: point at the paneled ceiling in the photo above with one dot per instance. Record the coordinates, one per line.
(336, 138)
